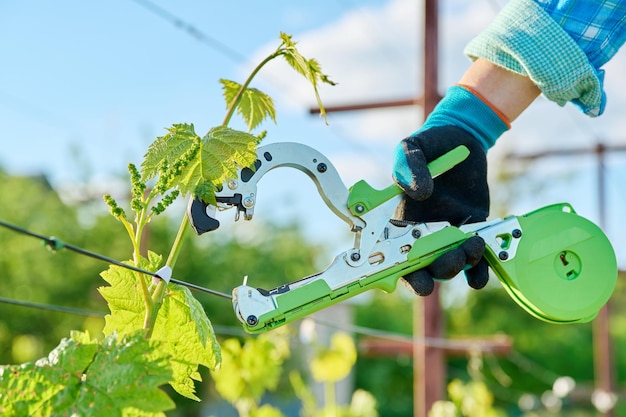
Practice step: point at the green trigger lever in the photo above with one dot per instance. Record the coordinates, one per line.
(364, 197)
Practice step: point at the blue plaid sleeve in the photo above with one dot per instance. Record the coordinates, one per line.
(560, 45)
(598, 27)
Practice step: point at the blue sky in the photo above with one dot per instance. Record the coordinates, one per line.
(86, 86)
(104, 78)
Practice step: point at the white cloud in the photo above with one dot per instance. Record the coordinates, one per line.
(373, 54)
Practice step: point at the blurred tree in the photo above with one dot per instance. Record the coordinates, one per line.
(543, 352)
(278, 255)
(390, 380)
(31, 273)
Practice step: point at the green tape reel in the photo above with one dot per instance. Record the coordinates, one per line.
(564, 269)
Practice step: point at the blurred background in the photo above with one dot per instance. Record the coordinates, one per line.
(85, 87)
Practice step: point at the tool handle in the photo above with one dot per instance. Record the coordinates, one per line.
(364, 197)
(448, 160)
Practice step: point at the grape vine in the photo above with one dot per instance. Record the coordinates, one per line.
(155, 333)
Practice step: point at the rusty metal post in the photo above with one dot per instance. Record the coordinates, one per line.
(602, 350)
(429, 362)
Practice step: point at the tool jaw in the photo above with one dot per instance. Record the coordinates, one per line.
(249, 304)
(241, 192)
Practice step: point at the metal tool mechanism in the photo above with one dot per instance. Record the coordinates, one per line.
(555, 264)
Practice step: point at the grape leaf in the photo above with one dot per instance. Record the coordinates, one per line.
(182, 329)
(254, 106)
(119, 377)
(168, 149)
(309, 68)
(191, 163)
(223, 150)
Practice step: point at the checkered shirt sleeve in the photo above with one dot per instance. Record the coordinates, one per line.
(598, 27)
(559, 44)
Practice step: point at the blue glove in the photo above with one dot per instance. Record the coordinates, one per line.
(458, 196)
(461, 108)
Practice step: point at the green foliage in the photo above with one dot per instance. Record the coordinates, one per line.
(466, 400)
(266, 410)
(253, 368)
(253, 113)
(254, 105)
(167, 153)
(362, 403)
(542, 352)
(249, 370)
(329, 365)
(542, 344)
(279, 254)
(33, 274)
(389, 379)
(62, 278)
(182, 328)
(118, 377)
(309, 68)
(332, 364)
(181, 159)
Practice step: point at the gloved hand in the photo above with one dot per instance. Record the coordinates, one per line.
(460, 195)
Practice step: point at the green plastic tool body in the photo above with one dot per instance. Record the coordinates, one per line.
(563, 271)
(557, 265)
(364, 197)
(316, 295)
